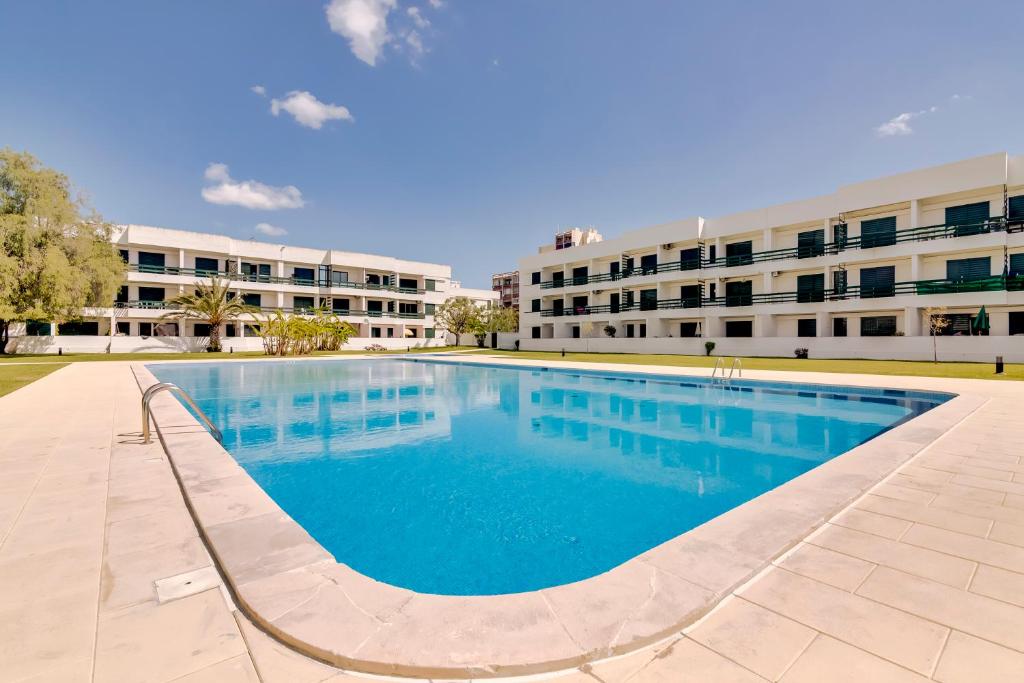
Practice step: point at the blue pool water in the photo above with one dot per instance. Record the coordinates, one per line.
(470, 480)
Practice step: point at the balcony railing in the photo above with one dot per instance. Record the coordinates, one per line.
(269, 279)
(927, 233)
(996, 283)
(298, 310)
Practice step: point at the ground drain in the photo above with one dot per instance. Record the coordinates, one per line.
(184, 585)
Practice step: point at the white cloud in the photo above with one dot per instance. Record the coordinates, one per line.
(250, 194)
(436, 4)
(364, 23)
(259, 90)
(900, 125)
(308, 110)
(415, 42)
(270, 230)
(417, 17)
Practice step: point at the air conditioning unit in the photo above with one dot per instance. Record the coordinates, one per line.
(667, 246)
(598, 291)
(776, 273)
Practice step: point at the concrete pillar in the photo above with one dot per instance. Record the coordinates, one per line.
(768, 240)
(824, 324)
(181, 258)
(712, 327)
(768, 285)
(912, 321)
(915, 267)
(764, 325)
(915, 213)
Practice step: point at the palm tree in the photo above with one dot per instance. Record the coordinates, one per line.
(213, 304)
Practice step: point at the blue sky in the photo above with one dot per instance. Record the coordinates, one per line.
(467, 131)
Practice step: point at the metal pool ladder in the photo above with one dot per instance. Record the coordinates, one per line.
(148, 395)
(720, 365)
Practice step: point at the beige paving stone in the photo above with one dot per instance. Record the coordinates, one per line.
(72, 569)
(623, 668)
(703, 562)
(929, 564)
(74, 526)
(47, 633)
(965, 466)
(897, 636)
(819, 563)
(61, 670)
(149, 532)
(159, 643)
(975, 614)
(128, 578)
(828, 659)
(969, 547)
(953, 490)
(926, 474)
(915, 512)
(756, 638)
(903, 493)
(689, 662)
(1014, 500)
(235, 670)
(1000, 584)
(277, 663)
(230, 499)
(989, 484)
(967, 659)
(1002, 513)
(872, 523)
(1007, 533)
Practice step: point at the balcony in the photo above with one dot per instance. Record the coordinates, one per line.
(267, 279)
(923, 234)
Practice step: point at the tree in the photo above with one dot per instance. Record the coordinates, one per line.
(497, 318)
(213, 304)
(458, 316)
(56, 256)
(938, 322)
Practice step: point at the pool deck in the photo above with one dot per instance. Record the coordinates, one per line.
(104, 575)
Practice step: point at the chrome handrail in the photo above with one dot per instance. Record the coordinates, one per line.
(720, 363)
(148, 395)
(736, 363)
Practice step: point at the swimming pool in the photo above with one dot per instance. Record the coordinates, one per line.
(468, 479)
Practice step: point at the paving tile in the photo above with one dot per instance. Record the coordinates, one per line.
(618, 669)
(63, 670)
(828, 659)
(989, 484)
(1000, 584)
(971, 660)
(128, 578)
(827, 566)
(235, 670)
(278, 663)
(929, 564)
(963, 611)
(968, 547)
(915, 512)
(149, 532)
(46, 633)
(689, 662)
(926, 474)
(954, 490)
(994, 511)
(872, 523)
(965, 466)
(159, 643)
(898, 492)
(1014, 500)
(756, 638)
(889, 633)
(73, 569)
(1006, 532)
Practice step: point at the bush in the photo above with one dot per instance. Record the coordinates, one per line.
(376, 347)
(609, 330)
(800, 353)
(299, 335)
(709, 346)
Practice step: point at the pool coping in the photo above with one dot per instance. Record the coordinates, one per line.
(291, 587)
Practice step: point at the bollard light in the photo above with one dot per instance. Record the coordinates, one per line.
(999, 365)
(563, 353)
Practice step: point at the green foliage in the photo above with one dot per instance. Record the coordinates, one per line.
(55, 257)
(709, 346)
(300, 335)
(211, 303)
(497, 318)
(458, 316)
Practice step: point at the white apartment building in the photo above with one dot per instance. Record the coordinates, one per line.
(858, 273)
(389, 301)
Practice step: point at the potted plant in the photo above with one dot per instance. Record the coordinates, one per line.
(709, 346)
(609, 330)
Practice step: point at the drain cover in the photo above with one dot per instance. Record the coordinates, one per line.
(184, 585)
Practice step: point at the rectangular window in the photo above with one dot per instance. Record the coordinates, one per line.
(878, 326)
(535, 305)
(408, 283)
(877, 282)
(810, 243)
(151, 294)
(430, 285)
(878, 232)
(810, 288)
(688, 330)
(124, 329)
(689, 259)
(968, 219)
(340, 306)
(151, 262)
(230, 330)
(145, 329)
(839, 282)
(122, 294)
(339, 278)
(1016, 265)
(839, 327)
(375, 332)
(252, 300)
(535, 332)
(303, 276)
(391, 332)
(165, 329)
(961, 270)
(739, 293)
(201, 330)
(1016, 322)
(956, 325)
(206, 265)
(712, 253)
(535, 278)
(428, 333)
(807, 327)
(1015, 208)
(689, 296)
(408, 308)
(739, 328)
(648, 299)
(739, 253)
(428, 309)
(575, 331)
(643, 330)
(613, 302)
(613, 269)
(372, 279)
(301, 304)
(375, 307)
(124, 254)
(391, 307)
(579, 275)
(649, 263)
(630, 330)
(252, 330)
(323, 276)
(37, 328)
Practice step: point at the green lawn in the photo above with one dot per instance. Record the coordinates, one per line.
(16, 376)
(869, 367)
(202, 355)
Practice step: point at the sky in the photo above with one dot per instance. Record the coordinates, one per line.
(469, 131)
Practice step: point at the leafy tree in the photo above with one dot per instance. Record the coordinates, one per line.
(56, 256)
(497, 318)
(458, 316)
(290, 335)
(938, 322)
(211, 303)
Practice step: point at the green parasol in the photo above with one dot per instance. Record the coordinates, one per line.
(979, 324)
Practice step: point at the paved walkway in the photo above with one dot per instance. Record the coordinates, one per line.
(103, 576)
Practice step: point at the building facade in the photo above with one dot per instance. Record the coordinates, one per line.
(860, 273)
(388, 301)
(507, 287)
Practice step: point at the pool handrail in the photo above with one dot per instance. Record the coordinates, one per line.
(148, 395)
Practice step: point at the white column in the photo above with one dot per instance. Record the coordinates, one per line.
(767, 285)
(764, 325)
(915, 213)
(915, 267)
(767, 240)
(181, 258)
(824, 324)
(912, 321)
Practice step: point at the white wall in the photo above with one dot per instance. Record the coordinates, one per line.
(90, 344)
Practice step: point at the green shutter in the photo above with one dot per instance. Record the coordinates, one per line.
(1017, 264)
(430, 285)
(958, 270)
(875, 282)
(428, 333)
(969, 219)
(1016, 207)
(878, 232)
(810, 287)
(811, 243)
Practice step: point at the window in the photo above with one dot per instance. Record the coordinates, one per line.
(810, 288)
(124, 254)
(37, 328)
(649, 263)
(841, 234)
(877, 282)
(878, 326)
(430, 285)
(535, 332)
(165, 329)
(839, 282)
(878, 232)
(252, 330)
(375, 307)
(201, 330)
(688, 330)
(810, 243)
(712, 252)
(807, 327)
(339, 278)
(302, 304)
(689, 259)
(1016, 265)
(372, 279)
(839, 327)
(124, 328)
(303, 275)
(739, 253)
(145, 329)
(391, 307)
(960, 270)
(968, 219)
(151, 294)
(256, 271)
(206, 265)
(579, 275)
(613, 269)
(122, 294)
(739, 328)
(428, 309)
(1016, 322)
(151, 262)
(1015, 208)
(535, 278)
(229, 330)
(558, 278)
(535, 305)
(690, 296)
(643, 330)
(428, 333)
(411, 332)
(648, 299)
(575, 331)
(630, 330)
(375, 332)
(958, 324)
(391, 332)
(252, 300)
(712, 290)
(408, 308)
(340, 306)
(739, 293)
(408, 283)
